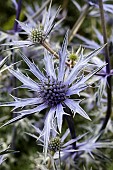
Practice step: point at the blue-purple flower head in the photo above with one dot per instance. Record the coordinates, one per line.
(54, 89)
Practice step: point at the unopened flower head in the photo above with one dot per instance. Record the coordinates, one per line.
(37, 35)
(73, 56)
(54, 144)
(37, 32)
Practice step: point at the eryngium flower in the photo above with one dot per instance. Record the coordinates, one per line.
(54, 90)
(37, 33)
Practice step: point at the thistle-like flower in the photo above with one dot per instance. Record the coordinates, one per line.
(37, 33)
(55, 89)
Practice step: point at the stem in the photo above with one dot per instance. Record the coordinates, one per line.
(107, 59)
(71, 124)
(49, 163)
(47, 46)
(64, 7)
(60, 158)
(78, 22)
(65, 4)
(39, 11)
(17, 15)
(13, 143)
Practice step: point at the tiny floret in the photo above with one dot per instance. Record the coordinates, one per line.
(53, 92)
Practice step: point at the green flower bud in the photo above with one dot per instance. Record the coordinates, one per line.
(54, 144)
(37, 35)
(73, 56)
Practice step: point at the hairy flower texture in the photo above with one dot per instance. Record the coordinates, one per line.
(54, 89)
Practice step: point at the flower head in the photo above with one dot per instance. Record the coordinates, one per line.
(37, 33)
(54, 89)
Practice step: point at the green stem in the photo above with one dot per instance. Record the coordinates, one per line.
(78, 23)
(48, 48)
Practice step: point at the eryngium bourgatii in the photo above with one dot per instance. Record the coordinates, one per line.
(55, 89)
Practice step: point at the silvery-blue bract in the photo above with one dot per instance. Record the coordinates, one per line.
(54, 89)
(37, 33)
